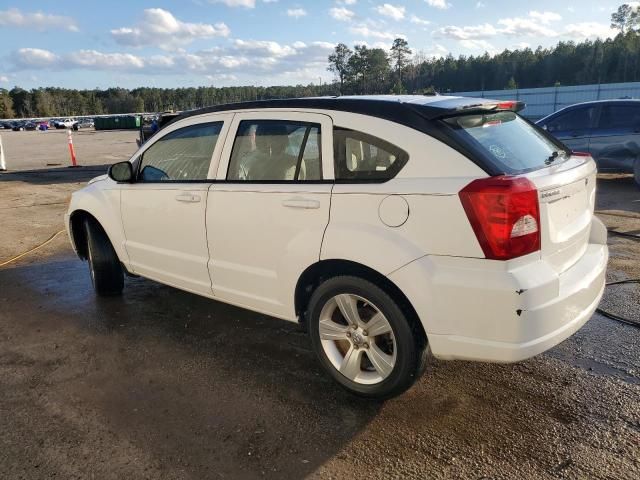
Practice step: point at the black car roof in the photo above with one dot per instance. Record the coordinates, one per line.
(410, 110)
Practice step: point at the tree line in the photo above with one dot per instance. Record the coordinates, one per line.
(364, 70)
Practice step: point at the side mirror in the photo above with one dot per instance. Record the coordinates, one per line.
(544, 127)
(121, 172)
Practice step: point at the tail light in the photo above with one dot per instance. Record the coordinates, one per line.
(504, 214)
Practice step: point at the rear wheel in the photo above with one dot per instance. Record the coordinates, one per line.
(363, 338)
(104, 266)
(636, 172)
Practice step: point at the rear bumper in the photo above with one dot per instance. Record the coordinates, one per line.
(482, 310)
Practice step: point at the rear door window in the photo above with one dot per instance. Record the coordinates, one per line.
(276, 151)
(510, 143)
(619, 117)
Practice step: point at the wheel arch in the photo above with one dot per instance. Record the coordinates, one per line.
(78, 232)
(315, 274)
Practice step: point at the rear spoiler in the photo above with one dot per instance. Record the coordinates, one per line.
(465, 106)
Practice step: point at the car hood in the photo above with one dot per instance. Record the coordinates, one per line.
(98, 179)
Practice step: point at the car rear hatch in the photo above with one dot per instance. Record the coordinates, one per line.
(566, 193)
(511, 149)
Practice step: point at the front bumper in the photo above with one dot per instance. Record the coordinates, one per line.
(474, 309)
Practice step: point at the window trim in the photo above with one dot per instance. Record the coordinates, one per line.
(140, 158)
(339, 155)
(309, 124)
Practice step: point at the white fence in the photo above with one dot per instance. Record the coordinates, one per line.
(544, 101)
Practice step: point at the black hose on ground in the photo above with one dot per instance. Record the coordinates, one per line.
(610, 315)
(615, 317)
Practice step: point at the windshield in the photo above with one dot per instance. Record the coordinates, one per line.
(509, 142)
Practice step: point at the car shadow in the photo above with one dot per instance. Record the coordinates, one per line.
(57, 175)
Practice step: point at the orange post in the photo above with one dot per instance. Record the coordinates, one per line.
(71, 150)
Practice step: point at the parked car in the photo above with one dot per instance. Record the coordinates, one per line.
(386, 225)
(83, 123)
(18, 126)
(608, 129)
(30, 126)
(64, 123)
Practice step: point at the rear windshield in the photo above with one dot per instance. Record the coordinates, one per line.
(510, 143)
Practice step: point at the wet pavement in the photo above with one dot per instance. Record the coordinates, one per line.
(160, 383)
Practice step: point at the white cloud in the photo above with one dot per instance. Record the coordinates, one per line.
(115, 61)
(348, 2)
(4, 79)
(225, 77)
(441, 4)
(36, 20)
(296, 12)
(34, 58)
(481, 4)
(545, 17)
(520, 26)
(584, 30)
(536, 24)
(482, 31)
(237, 3)
(419, 21)
(378, 33)
(159, 27)
(341, 14)
(479, 45)
(267, 60)
(391, 11)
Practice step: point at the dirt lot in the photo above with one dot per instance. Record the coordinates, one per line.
(163, 384)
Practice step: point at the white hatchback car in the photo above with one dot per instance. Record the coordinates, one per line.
(387, 225)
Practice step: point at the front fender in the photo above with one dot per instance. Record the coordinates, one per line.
(101, 200)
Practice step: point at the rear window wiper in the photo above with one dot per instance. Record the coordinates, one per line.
(554, 155)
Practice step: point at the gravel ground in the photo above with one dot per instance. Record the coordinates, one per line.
(163, 384)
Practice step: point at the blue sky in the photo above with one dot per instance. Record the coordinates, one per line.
(165, 43)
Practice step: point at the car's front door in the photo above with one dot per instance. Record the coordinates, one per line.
(163, 211)
(573, 127)
(268, 210)
(615, 143)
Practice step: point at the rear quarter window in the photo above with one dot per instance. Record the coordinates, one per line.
(360, 157)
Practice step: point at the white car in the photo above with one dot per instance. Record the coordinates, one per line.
(65, 123)
(387, 225)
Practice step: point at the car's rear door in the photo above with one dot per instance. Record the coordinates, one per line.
(163, 211)
(615, 142)
(268, 210)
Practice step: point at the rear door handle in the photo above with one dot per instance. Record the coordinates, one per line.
(188, 198)
(301, 203)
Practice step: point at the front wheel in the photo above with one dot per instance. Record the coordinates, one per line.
(363, 338)
(104, 266)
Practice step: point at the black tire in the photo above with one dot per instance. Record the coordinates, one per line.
(410, 342)
(104, 266)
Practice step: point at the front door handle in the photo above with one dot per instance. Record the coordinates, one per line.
(188, 198)
(301, 203)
